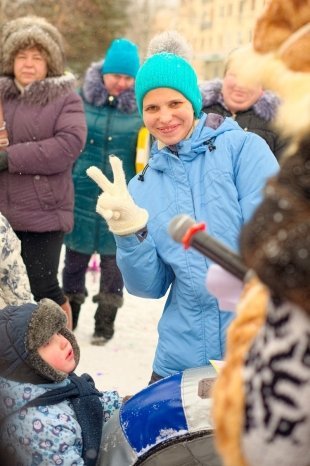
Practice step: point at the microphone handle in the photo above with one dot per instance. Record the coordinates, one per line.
(220, 255)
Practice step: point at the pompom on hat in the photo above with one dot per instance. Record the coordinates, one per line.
(121, 58)
(168, 66)
(27, 32)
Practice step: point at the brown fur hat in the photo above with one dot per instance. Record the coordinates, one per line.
(276, 241)
(23, 329)
(30, 31)
(48, 319)
(284, 28)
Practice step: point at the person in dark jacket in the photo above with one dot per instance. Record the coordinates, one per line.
(113, 124)
(251, 106)
(46, 129)
(45, 406)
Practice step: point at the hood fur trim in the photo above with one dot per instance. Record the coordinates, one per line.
(39, 92)
(46, 320)
(30, 31)
(266, 107)
(95, 92)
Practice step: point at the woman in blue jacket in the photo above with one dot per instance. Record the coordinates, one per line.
(201, 165)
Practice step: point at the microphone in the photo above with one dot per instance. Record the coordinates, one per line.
(183, 229)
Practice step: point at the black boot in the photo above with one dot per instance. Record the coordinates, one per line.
(104, 324)
(76, 300)
(105, 316)
(75, 307)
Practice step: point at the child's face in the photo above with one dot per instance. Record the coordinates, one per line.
(58, 353)
(168, 115)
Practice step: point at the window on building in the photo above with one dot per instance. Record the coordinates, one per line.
(241, 6)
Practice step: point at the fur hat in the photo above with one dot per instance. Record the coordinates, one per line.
(31, 31)
(121, 58)
(279, 58)
(167, 65)
(23, 329)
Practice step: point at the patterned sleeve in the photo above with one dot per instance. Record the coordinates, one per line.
(14, 283)
(111, 401)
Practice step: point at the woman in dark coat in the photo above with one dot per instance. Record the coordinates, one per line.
(113, 124)
(252, 107)
(46, 132)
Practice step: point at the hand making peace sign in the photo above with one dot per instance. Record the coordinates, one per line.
(115, 204)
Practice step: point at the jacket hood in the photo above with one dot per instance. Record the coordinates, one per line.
(39, 92)
(265, 108)
(95, 93)
(23, 329)
(31, 31)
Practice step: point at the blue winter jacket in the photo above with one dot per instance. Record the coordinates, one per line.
(216, 177)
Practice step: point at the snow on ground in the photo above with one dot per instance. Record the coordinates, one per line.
(125, 362)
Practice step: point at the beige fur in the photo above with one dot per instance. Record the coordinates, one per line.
(280, 58)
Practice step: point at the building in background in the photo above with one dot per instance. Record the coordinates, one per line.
(213, 28)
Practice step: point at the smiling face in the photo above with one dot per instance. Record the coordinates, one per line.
(58, 353)
(30, 65)
(236, 97)
(168, 115)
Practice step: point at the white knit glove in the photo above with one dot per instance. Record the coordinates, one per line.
(115, 204)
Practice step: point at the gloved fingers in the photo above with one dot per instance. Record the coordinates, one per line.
(108, 214)
(108, 201)
(102, 181)
(118, 173)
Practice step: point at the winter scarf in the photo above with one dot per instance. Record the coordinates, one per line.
(84, 397)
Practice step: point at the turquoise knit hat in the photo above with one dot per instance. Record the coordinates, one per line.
(167, 69)
(121, 58)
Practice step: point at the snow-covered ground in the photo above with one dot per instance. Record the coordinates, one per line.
(125, 362)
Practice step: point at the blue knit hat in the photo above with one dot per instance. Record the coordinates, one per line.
(121, 58)
(167, 68)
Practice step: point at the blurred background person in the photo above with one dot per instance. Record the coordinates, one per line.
(14, 283)
(113, 124)
(251, 106)
(46, 130)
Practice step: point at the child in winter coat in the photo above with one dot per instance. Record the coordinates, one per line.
(14, 283)
(48, 414)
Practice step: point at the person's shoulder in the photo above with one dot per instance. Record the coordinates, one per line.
(211, 92)
(266, 106)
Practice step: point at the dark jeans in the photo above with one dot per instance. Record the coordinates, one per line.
(41, 253)
(74, 273)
